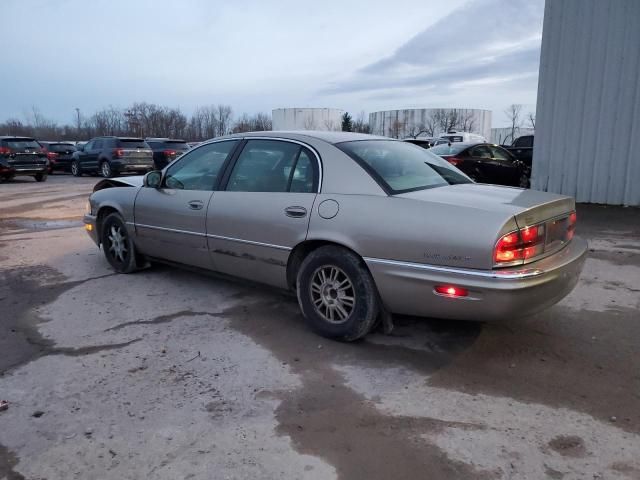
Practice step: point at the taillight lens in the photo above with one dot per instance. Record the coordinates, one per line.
(5, 151)
(52, 155)
(455, 161)
(525, 243)
(170, 153)
(118, 153)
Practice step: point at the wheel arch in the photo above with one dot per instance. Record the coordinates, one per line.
(101, 214)
(303, 249)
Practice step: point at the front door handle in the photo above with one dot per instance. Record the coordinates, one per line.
(195, 205)
(295, 212)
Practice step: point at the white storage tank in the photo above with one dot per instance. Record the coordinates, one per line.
(430, 122)
(307, 119)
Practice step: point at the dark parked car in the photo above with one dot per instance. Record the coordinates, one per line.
(166, 150)
(486, 163)
(59, 154)
(22, 156)
(111, 156)
(522, 149)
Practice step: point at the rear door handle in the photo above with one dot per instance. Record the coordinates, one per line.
(195, 204)
(295, 212)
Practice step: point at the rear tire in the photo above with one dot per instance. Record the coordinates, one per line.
(105, 169)
(75, 169)
(337, 294)
(41, 177)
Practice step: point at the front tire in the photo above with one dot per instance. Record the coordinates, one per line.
(336, 294)
(117, 244)
(75, 169)
(41, 177)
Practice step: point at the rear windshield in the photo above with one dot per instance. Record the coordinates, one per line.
(452, 138)
(168, 144)
(61, 147)
(448, 149)
(22, 144)
(402, 167)
(132, 143)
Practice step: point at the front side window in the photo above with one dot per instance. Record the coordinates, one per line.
(270, 166)
(97, 144)
(199, 169)
(401, 167)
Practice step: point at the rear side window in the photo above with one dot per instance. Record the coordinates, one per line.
(132, 143)
(272, 166)
(97, 145)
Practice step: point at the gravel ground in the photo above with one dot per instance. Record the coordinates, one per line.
(169, 373)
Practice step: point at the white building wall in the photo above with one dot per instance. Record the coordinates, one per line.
(307, 118)
(410, 120)
(588, 115)
(502, 135)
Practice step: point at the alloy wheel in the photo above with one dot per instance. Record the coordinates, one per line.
(332, 294)
(106, 169)
(117, 243)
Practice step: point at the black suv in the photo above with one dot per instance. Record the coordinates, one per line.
(22, 156)
(166, 150)
(59, 154)
(111, 156)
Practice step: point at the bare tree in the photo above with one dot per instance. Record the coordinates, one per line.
(361, 125)
(310, 123)
(513, 114)
(531, 118)
(332, 126)
(396, 128)
(466, 122)
(224, 117)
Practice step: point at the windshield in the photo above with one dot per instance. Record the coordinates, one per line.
(61, 147)
(402, 167)
(448, 149)
(23, 144)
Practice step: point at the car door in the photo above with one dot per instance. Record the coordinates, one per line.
(504, 169)
(263, 210)
(83, 156)
(92, 155)
(478, 169)
(170, 221)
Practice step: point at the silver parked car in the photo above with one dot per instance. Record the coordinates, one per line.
(359, 226)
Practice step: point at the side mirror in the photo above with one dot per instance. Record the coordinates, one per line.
(153, 179)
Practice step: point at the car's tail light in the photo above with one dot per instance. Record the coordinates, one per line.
(5, 151)
(170, 153)
(52, 155)
(528, 242)
(118, 153)
(573, 218)
(453, 160)
(450, 291)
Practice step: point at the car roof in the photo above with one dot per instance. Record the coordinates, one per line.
(11, 137)
(152, 139)
(326, 136)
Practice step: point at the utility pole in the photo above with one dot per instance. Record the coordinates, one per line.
(78, 120)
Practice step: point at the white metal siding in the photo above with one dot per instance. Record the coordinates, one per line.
(587, 140)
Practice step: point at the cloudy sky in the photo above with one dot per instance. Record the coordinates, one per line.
(258, 55)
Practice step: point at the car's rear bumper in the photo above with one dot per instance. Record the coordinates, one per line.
(90, 227)
(408, 288)
(131, 166)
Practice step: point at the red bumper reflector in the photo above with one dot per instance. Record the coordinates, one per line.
(451, 291)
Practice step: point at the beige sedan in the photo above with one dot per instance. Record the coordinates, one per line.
(358, 226)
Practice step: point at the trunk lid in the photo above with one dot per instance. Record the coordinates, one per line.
(528, 207)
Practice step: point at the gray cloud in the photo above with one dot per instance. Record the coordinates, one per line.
(493, 41)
